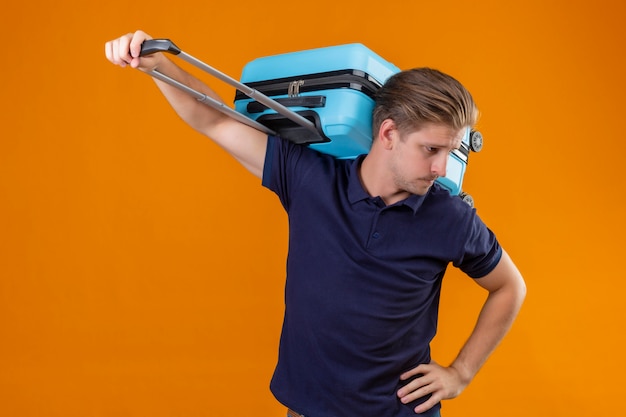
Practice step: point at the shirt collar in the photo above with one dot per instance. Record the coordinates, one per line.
(357, 193)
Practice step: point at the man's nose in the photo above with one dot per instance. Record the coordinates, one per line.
(440, 164)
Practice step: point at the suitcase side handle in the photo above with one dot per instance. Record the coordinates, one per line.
(310, 102)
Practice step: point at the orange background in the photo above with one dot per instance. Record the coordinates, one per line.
(136, 282)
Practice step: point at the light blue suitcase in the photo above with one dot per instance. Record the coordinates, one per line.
(322, 98)
(333, 87)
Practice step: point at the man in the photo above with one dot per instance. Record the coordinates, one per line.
(370, 240)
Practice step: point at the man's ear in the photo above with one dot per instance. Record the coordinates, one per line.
(387, 133)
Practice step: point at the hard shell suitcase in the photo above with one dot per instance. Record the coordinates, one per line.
(333, 87)
(322, 98)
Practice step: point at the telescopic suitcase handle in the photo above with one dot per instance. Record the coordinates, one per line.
(153, 46)
(165, 45)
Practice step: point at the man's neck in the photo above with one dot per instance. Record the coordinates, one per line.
(378, 184)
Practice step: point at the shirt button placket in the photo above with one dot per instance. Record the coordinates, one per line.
(375, 235)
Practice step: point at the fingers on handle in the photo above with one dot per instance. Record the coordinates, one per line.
(135, 44)
(123, 50)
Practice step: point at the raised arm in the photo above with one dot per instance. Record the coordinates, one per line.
(243, 142)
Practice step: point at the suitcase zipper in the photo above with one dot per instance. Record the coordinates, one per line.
(351, 79)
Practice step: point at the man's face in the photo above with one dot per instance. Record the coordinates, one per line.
(420, 157)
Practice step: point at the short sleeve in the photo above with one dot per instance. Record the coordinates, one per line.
(481, 251)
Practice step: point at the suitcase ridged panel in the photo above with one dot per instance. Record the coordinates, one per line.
(331, 58)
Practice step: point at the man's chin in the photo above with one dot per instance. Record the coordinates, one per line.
(421, 190)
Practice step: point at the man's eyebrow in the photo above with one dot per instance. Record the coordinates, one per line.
(440, 146)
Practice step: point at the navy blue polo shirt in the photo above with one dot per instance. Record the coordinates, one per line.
(363, 282)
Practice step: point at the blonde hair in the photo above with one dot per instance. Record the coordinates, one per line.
(419, 96)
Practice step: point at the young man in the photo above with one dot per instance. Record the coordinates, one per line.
(369, 243)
